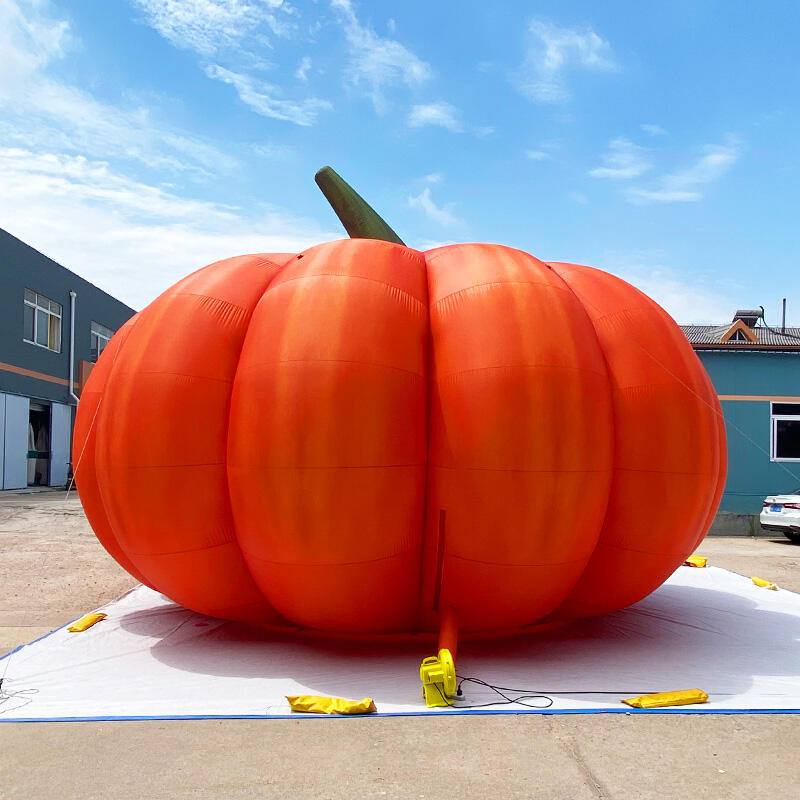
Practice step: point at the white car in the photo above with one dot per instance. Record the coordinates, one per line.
(781, 512)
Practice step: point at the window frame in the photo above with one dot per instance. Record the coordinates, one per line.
(44, 304)
(773, 428)
(100, 334)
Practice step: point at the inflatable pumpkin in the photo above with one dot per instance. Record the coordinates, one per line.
(356, 437)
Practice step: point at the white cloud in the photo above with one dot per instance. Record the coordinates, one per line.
(694, 299)
(29, 40)
(274, 152)
(40, 112)
(377, 63)
(231, 35)
(686, 185)
(579, 197)
(301, 73)
(623, 160)
(537, 155)
(131, 238)
(260, 96)
(441, 114)
(653, 130)
(208, 26)
(439, 214)
(551, 52)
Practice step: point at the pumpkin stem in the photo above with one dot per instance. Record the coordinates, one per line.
(360, 220)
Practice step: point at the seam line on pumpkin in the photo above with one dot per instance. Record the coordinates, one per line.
(230, 541)
(522, 366)
(515, 469)
(214, 299)
(512, 564)
(415, 300)
(625, 548)
(250, 467)
(405, 551)
(500, 283)
(430, 255)
(164, 466)
(180, 375)
(251, 366)
(666, 471)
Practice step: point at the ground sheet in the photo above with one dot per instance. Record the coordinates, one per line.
(705, 628)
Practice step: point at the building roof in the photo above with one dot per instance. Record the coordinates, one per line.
(716, 336)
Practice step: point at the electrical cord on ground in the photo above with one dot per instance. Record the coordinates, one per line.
(6, 697)
(523, 696)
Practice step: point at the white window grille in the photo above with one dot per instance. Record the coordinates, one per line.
(785, 431)
(42, 321)
(100, 337)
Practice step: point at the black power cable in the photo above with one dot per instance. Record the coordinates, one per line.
(523, 695)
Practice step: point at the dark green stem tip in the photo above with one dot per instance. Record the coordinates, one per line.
(360, 220)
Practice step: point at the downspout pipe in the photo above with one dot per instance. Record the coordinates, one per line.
(72, 347)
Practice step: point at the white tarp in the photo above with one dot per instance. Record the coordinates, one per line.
(705, 628)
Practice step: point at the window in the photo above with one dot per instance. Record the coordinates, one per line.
(42, 321)
(100, 338)
(785, 419)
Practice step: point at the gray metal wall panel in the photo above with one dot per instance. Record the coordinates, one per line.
(60, 423)
(15, 444)
(2, 436)
(23, 267)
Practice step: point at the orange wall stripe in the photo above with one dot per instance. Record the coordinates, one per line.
(42, 376)
(773, 397)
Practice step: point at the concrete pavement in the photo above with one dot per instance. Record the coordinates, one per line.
(53, 570)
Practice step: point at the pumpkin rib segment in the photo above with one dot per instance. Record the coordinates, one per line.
(722, 465)
(85, 474)
(336, 360)
(148, 510)
(483, 421)
(659, 421)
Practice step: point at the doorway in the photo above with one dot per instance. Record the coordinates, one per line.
(38, 444)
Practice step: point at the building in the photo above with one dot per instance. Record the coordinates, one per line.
(756, 372)
(53, 326)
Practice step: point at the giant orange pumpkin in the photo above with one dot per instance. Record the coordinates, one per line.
(352, 438)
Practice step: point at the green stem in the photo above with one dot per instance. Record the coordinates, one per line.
(360, 220)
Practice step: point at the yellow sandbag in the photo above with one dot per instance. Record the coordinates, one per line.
(314, 704)
(695, 561)
(764, 584)
(86, 622)
(684, 697)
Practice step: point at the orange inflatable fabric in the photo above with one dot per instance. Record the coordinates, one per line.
(351, 438)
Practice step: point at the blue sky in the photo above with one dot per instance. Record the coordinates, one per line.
(140, 140)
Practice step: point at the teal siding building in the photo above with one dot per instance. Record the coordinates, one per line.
(756, 373)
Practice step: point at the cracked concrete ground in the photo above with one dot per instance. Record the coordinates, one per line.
(52, 570)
